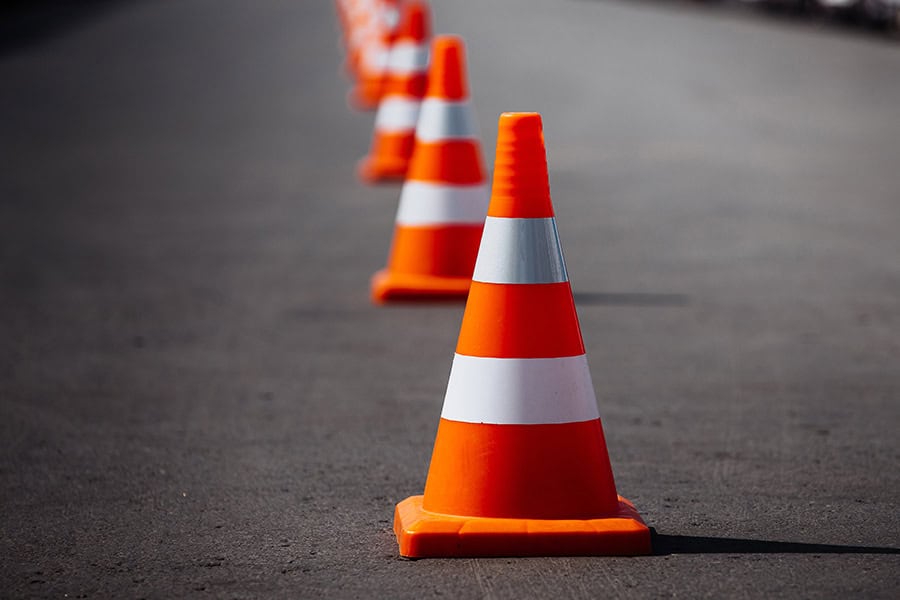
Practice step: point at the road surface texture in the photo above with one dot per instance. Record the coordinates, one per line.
(198, 399)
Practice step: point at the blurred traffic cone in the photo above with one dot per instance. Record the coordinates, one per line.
(520, 466)
(372, 32)
(348, 11)
(358, 22)
(444, 198)
(405, 80)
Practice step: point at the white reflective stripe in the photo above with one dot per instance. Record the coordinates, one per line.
(375, 56)
(445, 120)
(406, 57)
(425, 203)
(520, 251)
(520, 391)
(397, 113)
(390, 16)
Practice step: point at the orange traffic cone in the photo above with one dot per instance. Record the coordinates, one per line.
(372, 33)
(348, 12)
(444, 198)
(360, 23)
(405, 80)
(520, 466)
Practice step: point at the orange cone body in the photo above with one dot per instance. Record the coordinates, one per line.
(520, 466)
(398, 112)
(444, 198)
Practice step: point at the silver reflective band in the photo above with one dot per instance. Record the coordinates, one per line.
(391, 16)
(445, 120)
(397, 113)
(424, 203)
(375, 56)
(520, 251)
(406, 58)
(520, 391)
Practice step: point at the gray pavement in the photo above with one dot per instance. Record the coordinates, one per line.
(197, 398)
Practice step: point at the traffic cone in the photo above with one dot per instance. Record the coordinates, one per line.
(359, 22)
(520, 466)
(405, 80)
(444, 198)
(348, 12)
(368, 49)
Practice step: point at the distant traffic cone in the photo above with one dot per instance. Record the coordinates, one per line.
(372, 33)
(348, 12)
(359, 22)
(405, 81)
(444, 198)
(520, 466)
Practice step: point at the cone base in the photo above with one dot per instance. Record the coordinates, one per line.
(422, 534)
(389, 286)
(381, 170)
(363, 99)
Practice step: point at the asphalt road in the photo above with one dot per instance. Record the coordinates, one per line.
(197, 398)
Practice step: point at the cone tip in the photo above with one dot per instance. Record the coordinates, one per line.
(415, 25)
(521, 186)
(447, 75)
(519, 125)
(447, 43)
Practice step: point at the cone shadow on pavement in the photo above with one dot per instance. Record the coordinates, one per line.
(689, 544)
(638, 299)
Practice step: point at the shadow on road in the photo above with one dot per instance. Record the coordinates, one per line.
(630, 299)
(688, 544)
(852, 19)
(24, 23)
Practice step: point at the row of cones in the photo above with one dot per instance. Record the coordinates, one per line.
(520, 465)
